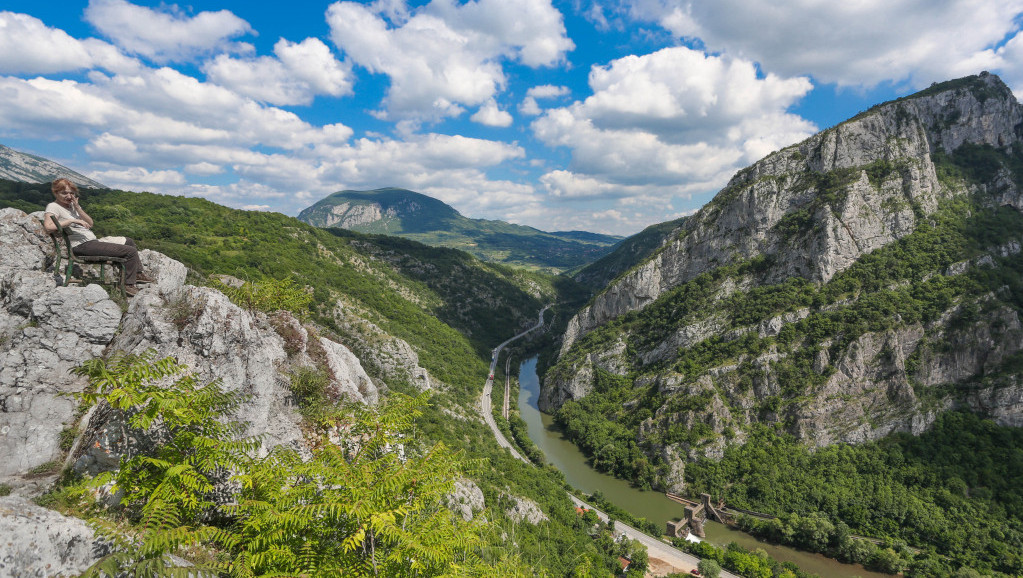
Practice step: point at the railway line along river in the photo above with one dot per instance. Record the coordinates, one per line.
(653, 506)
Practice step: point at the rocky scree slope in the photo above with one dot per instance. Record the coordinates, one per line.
(852, 285)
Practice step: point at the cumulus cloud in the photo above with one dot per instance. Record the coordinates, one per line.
(1011, 54)
(204, 169)
(27, 46)
(677, 120)
(138, 178)
(547, 91)
(447, 56)
(167, 34)
(849, 43)
(490, 115)
(298, 73)
(531, 107)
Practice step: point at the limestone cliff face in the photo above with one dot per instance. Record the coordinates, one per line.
(351, 215)
(810, 212)
(47, 330)
(892, 142)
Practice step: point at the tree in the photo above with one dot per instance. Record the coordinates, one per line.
(709, 568)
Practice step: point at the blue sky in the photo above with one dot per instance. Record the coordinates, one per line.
(601, 115)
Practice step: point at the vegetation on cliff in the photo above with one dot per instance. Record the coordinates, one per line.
(753, 358)
(448, 306)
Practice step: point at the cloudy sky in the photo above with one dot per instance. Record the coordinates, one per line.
(601, 115)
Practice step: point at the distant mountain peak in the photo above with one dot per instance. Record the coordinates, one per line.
(26, 168)
(412, 215)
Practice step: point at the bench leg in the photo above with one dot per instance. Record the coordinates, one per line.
(120, 280)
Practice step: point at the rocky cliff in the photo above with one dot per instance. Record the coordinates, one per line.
(47, 329)
(861, 185)
(19, 166)
(852, 285)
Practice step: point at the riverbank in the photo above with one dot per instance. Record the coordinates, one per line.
(650, 505)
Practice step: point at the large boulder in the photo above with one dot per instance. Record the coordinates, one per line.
(35, 541)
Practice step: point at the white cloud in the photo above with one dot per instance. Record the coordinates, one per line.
(1011, 72)
(137, 178)
(547, 91)
(490, 115)
(53, 107)
(860, 43)
(448, 56)
(27, 46)
(204, 169)
(298, 73)
(674, 120)
(166, 35)
(529, 105)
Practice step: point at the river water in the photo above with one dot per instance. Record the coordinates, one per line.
(653, 506)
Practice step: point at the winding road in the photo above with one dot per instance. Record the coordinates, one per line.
(664, 558)
(486, 400)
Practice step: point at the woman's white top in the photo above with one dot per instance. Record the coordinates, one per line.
(77, 234)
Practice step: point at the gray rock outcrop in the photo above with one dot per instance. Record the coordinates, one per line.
(524, 509)
(35, 541)
(47, 330)
(466, 499)
(793, 222)
(892, 142)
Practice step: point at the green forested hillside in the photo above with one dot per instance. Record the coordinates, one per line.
(958, 273)
(450, 307)
(625, 255)
(422, 218)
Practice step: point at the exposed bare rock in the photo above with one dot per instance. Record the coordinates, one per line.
(64, 327)
(349, 215)
(169, 274)
(525, 509)
(205, 331)
(466, 499)
(22, 242)
(743, 220)
(579, 379)
(348, 374)
(35, 541)
(386, 354)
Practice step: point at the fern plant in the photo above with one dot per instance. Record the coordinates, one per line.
(370, 506)
(373, 507)
(177, 448)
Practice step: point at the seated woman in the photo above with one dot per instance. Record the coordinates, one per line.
(72, 216)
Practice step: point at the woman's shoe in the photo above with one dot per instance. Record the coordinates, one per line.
(131, 290)
(141, 277)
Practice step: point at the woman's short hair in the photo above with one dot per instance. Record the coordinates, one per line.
(63, 185)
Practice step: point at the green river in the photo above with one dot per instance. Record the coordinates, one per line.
(653, 506)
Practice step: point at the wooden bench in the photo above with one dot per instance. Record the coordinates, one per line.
(65, 253)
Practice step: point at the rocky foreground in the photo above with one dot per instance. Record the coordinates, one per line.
(46, 330)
